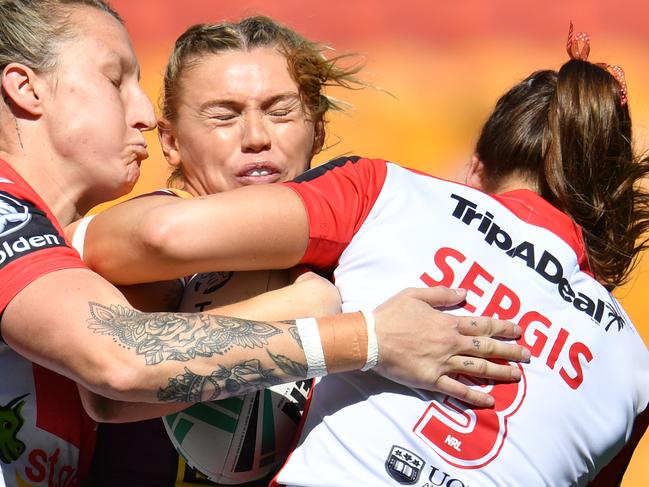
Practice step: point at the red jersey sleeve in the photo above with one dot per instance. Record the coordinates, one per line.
(31, 240)
(338, 196)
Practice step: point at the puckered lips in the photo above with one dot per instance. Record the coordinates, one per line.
(139, 151)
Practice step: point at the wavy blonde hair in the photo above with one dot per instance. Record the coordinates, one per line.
(311, 70)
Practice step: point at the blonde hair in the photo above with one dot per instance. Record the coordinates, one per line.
(311, 70)
(31, 31)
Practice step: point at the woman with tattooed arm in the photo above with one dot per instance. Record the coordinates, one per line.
(243, 104)
(551, 219)
(71, 120)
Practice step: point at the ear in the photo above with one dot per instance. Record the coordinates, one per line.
(475, 174)
(318, 136)
(23, 88)
(169, 142)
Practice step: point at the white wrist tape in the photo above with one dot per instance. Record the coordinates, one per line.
(307, 329)
(372, 341)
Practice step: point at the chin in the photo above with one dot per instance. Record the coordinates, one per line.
(119, 190)
(131, 178)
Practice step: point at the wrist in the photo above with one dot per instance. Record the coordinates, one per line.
(345, 344)
(311, 340)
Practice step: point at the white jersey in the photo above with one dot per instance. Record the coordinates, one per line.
(384, 228)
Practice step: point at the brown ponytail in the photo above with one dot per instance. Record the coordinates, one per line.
(570, 134)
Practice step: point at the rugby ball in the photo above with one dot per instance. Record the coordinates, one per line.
(240, 439)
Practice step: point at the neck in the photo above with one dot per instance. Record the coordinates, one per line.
(193, 189)
(511, 183)
(44, 178)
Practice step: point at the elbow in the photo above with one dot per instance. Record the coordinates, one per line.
(327, 300)
(100, 409)
(106, 400)
(159, 239)
(137, 256)
(116, 380)
(156, 231)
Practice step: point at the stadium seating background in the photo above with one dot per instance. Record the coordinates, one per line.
(441, 66)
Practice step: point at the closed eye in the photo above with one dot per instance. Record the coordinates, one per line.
(280, 113)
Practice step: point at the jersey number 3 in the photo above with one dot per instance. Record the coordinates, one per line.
(471, 438)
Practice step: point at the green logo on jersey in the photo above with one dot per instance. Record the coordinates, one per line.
(10, 423)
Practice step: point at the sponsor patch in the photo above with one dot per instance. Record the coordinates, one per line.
(403, 465)
(24, 229)
(13, 215)
(540, 260)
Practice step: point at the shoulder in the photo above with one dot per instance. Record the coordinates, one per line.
(341, 166)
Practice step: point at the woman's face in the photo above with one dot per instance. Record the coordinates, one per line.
(94, 109)
(240, 122)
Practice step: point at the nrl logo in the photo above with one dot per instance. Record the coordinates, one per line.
(13, 215)
(403, 465)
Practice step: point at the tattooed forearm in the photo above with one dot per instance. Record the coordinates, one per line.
(244, 377)
(190, 387)
(177, 336)
(288, 366)
(296, 336)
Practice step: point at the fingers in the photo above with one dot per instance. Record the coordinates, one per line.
(458, 390)
(481, 325)
(438, 296)
(484, 369)
(490, 348)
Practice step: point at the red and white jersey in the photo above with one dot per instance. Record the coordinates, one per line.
(582, 397)
(46, 439)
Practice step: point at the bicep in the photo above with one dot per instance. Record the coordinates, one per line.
(113, 235)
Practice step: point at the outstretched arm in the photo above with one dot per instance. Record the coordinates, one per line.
(75, 323)
(166, 243)
(161, 237)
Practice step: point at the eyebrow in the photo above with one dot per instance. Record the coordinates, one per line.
(227, 103)
(124, 62)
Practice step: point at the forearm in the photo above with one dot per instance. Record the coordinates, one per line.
(260, 355)
(177, 357)
(105, 410)
(310, 296)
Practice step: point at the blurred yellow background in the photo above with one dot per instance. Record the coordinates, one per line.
(442, 66)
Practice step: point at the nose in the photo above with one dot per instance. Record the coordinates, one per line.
(141, 115)
(255, 133)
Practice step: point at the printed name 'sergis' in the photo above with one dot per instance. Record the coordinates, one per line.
(504, 303)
